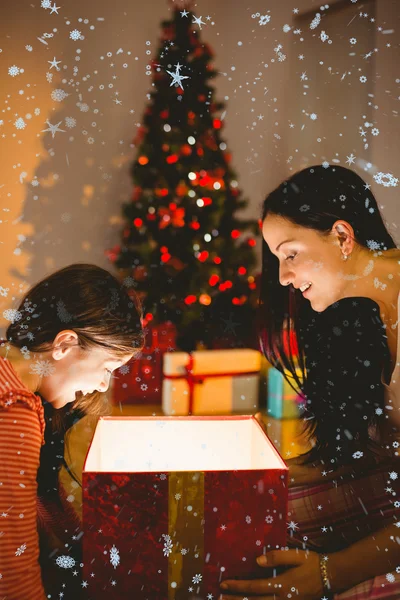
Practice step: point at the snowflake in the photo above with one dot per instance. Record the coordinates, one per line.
(20, 550)
(65, 562)
(163, 476)
(177, 77)
(316, 21)
(58, 95)
(143, 387)
(4, 291)
(304, 208)
(363, 79)
(395, 444)
(20, 123)
(373, 245)
(83, 107)
(53, 128)
(184, 551)
(386, 179)
(313, 117)
(397, 504)
(62, 312)
(248, 519)
(14, 71)
(269, 519)
(178, 496)
(129, 282)
(197, 578)
(393, 475)
(124, 370)
(49, 77)
(350, 159)
(292, 525)
(29, 48)
(167, 550)
(397, 569)
(390, 577)
(12, 314)
(114, 557)
(264, 19)
(325, 164)
(42, 367)
(65, 217)
(358, 454)
(375, 131)
(70, 122)
(75, 35)
(258, 543)
(353, 41)
(90, 140)
(324, 36)
(286, 28)
(45, 4)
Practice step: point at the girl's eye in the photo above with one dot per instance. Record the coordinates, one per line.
(291, 257)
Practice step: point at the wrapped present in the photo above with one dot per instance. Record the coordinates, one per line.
(283, 401)
(211, 382)
(140, 381)
(174, 505)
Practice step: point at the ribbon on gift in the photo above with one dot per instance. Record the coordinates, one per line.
(199, 379)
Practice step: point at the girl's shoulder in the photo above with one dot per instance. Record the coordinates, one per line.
(24, 408)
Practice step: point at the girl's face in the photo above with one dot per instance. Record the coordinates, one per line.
(77, 372)
(307, 257)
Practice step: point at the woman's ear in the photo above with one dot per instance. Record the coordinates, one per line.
(344, 236)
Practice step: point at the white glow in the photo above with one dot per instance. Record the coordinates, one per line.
(217, 185)
(192, 175)
(191, 140)
(153, 444)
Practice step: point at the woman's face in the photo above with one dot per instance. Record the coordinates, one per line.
(78, 372)
(308, 257)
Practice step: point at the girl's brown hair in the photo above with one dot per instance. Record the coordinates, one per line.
(90, 301)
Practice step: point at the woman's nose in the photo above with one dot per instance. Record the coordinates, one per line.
(286, 276)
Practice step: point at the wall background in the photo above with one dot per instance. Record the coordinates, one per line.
(61, 196)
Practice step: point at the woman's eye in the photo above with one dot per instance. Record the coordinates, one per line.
(109, 372)
(291, 257)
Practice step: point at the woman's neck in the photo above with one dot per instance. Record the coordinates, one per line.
(377, 278)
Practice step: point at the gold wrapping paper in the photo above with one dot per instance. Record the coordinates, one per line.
(186, 529)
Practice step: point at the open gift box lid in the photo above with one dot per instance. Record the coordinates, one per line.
(193, 443)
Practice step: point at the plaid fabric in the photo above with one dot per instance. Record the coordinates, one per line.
(330, 516)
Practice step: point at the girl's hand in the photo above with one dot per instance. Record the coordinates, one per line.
(301, 580)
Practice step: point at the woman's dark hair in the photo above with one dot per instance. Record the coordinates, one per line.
(90, 301)
(343, 350)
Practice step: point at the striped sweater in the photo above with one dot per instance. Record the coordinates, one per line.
(21, 436)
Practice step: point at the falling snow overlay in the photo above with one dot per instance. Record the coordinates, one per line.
(145, 140)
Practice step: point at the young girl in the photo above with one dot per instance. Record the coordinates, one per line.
(70, 332)
(331, 272)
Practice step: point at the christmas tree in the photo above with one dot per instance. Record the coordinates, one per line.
(184, 249)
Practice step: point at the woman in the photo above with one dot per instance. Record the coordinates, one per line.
(331, 274)
(70, 332)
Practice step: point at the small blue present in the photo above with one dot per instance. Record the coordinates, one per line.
(282, 400)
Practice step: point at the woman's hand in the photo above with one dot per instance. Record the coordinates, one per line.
(302, 579)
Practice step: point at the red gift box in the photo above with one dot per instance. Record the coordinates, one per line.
(174, 505)
(141, 381)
